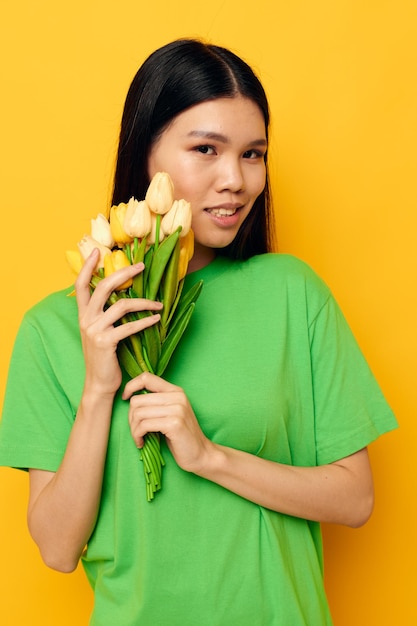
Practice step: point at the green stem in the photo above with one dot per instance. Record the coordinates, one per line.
(157, 230)
(137, 350)
(128, 253)
(153, 462)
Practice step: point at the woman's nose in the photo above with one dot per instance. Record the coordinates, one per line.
(230, 176)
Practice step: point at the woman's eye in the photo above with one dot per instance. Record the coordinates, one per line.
(253, 154)
(205, 149)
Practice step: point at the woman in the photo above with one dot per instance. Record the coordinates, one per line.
(266, 408)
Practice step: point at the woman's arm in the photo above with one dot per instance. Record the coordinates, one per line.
(63, 506)
(340, 492)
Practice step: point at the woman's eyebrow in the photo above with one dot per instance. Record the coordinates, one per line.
(207, 134)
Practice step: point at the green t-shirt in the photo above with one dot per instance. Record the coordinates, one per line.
(270, 367)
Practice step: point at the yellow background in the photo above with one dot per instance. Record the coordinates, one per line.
(341, 78)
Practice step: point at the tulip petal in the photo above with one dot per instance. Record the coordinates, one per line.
(114, 261)
(75, 260)
(117, 217)
(88, 244)
(137, 221)
(160, 194)
(178, 215)
(101, 231)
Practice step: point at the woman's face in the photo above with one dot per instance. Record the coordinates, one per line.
(214, 153)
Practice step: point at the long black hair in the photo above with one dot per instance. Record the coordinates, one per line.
(173, 78)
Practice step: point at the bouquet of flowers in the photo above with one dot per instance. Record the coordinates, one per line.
(157, 231)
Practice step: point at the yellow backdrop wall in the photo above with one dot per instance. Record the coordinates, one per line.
(341, 81)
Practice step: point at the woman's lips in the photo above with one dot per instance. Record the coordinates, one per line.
(222, 212)
(226, 209)
(225, 215)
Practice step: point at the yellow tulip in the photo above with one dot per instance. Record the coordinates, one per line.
(187, 243)
(116, 261)
(117, 218)
(178, 215)
(88, 244)
(182, 264)
(100, 230)
(186, 253)
(75, 260)
(137, 222)
(160, 194)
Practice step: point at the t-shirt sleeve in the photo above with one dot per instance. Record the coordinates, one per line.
(37, 415)
(350, 409)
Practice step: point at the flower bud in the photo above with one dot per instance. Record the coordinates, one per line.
(88, 244)
(178, 215)
(101, 232)
(117, 217)
(137, 222)
(160, 194)
(116, 261)
(75, 260)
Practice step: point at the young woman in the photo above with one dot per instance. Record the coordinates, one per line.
(266, 408)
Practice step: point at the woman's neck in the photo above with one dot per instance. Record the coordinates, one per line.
(202, 256)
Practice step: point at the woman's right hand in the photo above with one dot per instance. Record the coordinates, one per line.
(63, 505)
(99, 335)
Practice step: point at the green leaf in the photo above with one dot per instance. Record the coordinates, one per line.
(159, 262)
(165, 324)
(148, 262)
(138, 281)
(170, 283)
(186, 299)
(173, 338)
(151, 341)
(128, 361)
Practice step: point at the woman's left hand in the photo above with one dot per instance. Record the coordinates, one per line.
(166, 409)
(339, 492)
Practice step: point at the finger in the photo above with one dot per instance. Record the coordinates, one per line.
(131, 328)
(129, 305)
(82, 284)
(110, 284)
(144, 426)
(147, 381)
(145, 405)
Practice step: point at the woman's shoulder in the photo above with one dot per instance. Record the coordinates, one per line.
(286, 277)
(285, 266)
(280, 260)
(57, 305)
